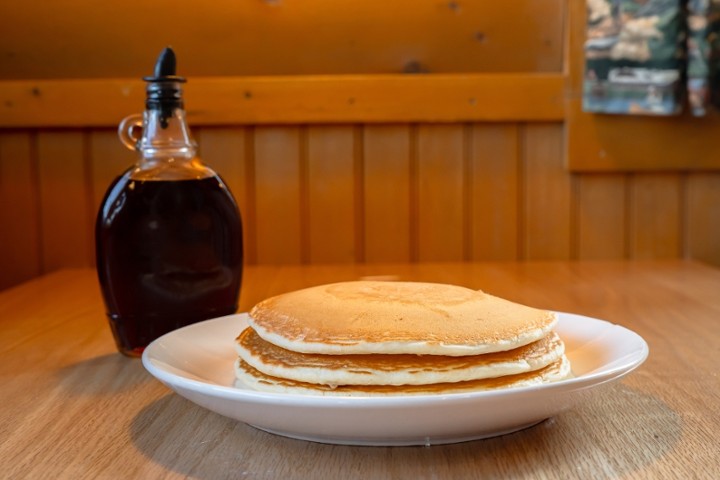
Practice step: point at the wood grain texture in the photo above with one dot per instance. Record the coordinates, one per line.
(369, 193)
(66, 216)
(229, 152)
(440, 190)
(278, 187)
(19, 209)
(602, 217)
(84, 411)
(361, 63)
(547, 195)
(494, 196)
(224, 150)
(386, 193)
(656, 216)
(272, 38)
(292, 100)
(703, 217)
(331, 194)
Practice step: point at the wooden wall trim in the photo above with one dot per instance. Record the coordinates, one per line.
(293, 99)
(368, 193)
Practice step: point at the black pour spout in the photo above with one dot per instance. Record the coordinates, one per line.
(163, 88)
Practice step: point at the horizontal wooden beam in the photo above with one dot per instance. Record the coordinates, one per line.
(294, 99)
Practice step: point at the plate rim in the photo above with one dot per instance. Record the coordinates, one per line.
(596, 378)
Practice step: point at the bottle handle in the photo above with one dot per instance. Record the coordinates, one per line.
(128, 131)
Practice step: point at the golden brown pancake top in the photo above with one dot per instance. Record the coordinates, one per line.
(400, 313)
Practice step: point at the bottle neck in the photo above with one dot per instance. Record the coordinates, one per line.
(166, 135)
(167, 150)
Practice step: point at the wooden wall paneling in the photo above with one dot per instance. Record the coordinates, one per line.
(294, 100)
(271, 37)
(547, 195)
(441, 194)
(229, 151)
(656, 223)
(331, 194)
(19, 209)
(279, 186)
(626, 143)
(601, 216)
(223, 149)
(386, 193)
(493, 192)
(703, 217)
(65, 200)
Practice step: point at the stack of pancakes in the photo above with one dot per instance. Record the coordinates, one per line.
(396, 338)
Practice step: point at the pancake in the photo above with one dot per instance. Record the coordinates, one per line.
(402, 369)
(256, 380)
(373, 317)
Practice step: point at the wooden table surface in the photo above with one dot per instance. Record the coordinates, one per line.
(73, 408)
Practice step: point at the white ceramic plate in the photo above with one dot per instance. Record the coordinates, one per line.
(197, 362)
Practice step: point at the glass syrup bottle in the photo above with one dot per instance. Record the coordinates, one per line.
(168, 233)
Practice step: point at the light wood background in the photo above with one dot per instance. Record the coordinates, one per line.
(77, 39)
(334, 154)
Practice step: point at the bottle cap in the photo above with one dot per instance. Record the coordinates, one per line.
(165, 68)
(163, 88)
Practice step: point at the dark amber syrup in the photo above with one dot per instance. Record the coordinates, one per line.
(169, 253)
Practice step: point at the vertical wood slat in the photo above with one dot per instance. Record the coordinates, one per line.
(602, 216)
(502, 187)
(19, 210)
(494, 192)
(547, 195)
(703, 217)
(223, 150)
(228, 152)
(440, 190)
(386, 158)
(278, 186)
(656, 225)
(65, 219)
(331, 194)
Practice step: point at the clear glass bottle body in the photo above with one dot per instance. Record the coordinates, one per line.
(168, 238)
